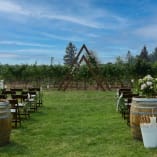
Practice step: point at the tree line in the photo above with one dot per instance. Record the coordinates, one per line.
(118, 73)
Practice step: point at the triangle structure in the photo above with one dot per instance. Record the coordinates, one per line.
(76, 63)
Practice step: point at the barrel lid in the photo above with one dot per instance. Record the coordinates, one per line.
(145, 99)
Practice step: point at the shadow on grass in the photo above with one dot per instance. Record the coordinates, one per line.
(13, 149)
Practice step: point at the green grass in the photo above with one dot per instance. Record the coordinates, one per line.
(75, 124)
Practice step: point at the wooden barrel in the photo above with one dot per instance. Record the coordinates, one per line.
(141, 110)
(5, 123)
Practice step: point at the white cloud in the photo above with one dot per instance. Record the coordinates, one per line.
(32, 52)
(11, 7)
(148, 32)
(87, 16)
(64, 38)
(14, 8)
(28, 56)
(74, 19)
(93, 35)
(19, 43)
(8, 55)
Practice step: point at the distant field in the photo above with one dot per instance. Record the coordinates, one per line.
(75, 124)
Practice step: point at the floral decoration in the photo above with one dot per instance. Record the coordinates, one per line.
(147, 86)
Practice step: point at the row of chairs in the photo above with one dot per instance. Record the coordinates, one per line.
(124, 100)
(22, 103)
(16, 91)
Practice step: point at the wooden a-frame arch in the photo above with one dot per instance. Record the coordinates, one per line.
(65, 83)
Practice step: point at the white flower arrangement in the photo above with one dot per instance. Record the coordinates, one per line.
(147, 86)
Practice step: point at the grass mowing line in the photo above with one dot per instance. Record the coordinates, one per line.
(75, 124)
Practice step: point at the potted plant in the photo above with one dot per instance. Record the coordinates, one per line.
(147, 86)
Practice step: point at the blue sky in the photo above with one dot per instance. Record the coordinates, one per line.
(36, 30)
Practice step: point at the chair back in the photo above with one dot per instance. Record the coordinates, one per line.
(15, 112)
(16, 89)
(17, 96)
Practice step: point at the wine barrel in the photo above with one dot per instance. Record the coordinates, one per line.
(5, 123)
(141, 110)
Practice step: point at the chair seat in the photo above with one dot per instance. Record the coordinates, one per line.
(13, 110)
(32, 96)
(31, 100)
(21, 104)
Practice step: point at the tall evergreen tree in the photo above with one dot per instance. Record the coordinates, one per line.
(144, 54)
(153, 55)
(129, 58)
(70, 54)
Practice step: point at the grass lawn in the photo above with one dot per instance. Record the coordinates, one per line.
(75, 124)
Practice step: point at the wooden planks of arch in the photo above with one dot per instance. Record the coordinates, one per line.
(67, 79)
